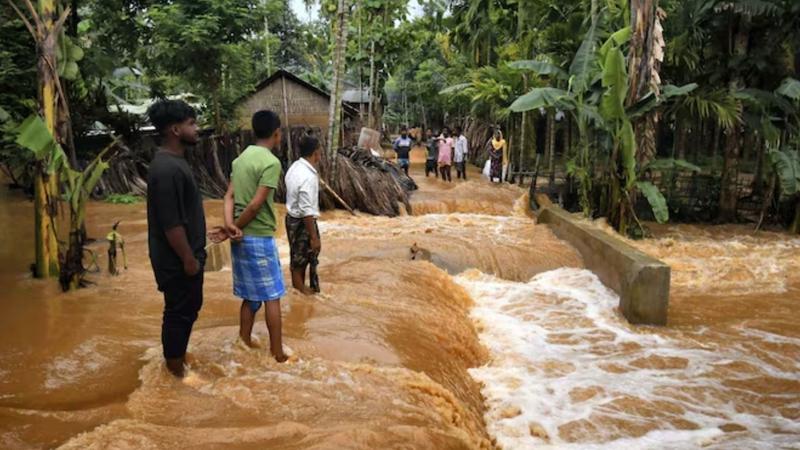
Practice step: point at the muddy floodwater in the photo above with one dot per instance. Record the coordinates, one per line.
(494, 337)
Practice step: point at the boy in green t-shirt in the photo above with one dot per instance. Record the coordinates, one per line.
(250, 223)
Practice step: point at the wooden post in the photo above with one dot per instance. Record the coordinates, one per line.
(289, 148)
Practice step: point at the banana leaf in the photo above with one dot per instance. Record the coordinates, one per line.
(786, 164)
(615, 40)
(539, 98)
(670, 164)
(650, 101)
(615, 82)
(454, 89)
(789, 88)
(539, 67)
(33, 135)
(628, 153)
(657, 201)
(584, 64)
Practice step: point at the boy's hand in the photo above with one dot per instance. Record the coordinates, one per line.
(218, 234)
(234, 232)
(316, 245)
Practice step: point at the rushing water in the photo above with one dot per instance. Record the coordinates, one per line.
(494, 335)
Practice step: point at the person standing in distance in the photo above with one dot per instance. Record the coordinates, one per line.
(302, 212)
(176, 228)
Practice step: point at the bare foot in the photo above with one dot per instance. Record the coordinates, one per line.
(305, 290)
(281, 356)
(250, 341)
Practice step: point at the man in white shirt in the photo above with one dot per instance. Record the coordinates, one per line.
(302, 212)
(462, 149)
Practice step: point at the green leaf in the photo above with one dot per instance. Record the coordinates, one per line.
(540, 67)
(584, 64)
(657, 201)
(670, 90)
(455, 89)
(538, 98)
(4, 115)
(628, 153)
(669, 164)
(615, 40)
(787, 167)
(790, 88)
(615, 82)
(33, 134)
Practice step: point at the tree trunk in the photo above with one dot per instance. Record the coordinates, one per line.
(730, 170)
(715, 147)
(682, 136)
(370, 118)
(335, 111)
(730, 176)
(46, 185)
(551, 147)
(289, 149)
(644, 62)
(758, 178)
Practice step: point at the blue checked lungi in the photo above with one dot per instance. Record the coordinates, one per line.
(257, 272)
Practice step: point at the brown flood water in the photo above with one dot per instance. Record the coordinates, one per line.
(496, 337)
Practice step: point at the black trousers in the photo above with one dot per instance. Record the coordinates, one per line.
(446, 174)
(430, 166)
(461, 170)
(183, 298)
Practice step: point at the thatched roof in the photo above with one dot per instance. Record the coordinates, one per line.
(350, 110)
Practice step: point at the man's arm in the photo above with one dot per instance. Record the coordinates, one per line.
(172, 218)
(306, 204)
(316, 245)
(233, 231)
(253, 207)
(176, 236)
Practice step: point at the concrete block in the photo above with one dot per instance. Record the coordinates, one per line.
(641, 281)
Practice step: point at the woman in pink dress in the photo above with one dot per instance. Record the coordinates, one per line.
(445, 154)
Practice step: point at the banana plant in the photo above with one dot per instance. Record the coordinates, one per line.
(33, 135)
(576, 99)
(786, 164)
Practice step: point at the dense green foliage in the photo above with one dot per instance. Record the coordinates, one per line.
(556, 76)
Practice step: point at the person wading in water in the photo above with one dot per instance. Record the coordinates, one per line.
(433, 154)
(250, 222)
(176, 228)
(302, 212)
(445, 154)
(402, 146)
(460, 158)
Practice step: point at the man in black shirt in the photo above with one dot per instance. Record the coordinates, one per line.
(176, 228)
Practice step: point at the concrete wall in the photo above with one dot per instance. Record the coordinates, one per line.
(641, 281)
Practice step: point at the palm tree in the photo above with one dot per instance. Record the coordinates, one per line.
(335, 110)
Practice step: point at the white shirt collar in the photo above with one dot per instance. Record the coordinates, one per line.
(308, 164)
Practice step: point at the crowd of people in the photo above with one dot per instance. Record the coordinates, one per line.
(444, 151)
(177, 227)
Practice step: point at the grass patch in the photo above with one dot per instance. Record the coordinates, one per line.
(123, 199)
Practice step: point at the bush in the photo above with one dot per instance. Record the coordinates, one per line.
(123, 199)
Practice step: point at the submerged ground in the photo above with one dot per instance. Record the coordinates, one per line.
(495, 337)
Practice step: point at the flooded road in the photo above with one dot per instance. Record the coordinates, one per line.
(493, 336)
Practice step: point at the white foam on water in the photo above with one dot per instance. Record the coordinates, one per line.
(567, 371)
(84, 360)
